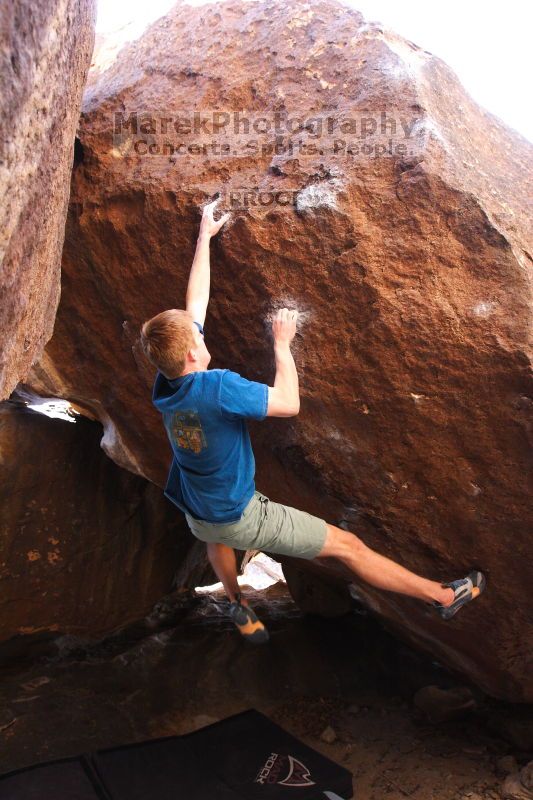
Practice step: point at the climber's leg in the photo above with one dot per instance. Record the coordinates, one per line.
(222, 559)
(380, 571)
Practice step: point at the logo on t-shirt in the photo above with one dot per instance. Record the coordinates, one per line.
(187, 431)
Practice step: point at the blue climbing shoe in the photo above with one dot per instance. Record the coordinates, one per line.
(465, 589)
(247, 622)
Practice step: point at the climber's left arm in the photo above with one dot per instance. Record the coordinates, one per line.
(199, 279)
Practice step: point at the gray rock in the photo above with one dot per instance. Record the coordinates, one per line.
(328, 735)
(506, 765)
(439, 705)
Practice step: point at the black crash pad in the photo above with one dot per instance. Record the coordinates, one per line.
(244, 757)
(259, 759)
(63, 780)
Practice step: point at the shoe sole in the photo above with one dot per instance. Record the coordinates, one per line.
(253, 631)
(481, 583)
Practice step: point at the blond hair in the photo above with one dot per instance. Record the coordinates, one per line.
(166, 339)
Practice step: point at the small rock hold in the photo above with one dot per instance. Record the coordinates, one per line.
(514, 789)
(353, 709)
(506, 765)
(440, 705)
(7, 719)
(526, 776)
(474, 750)
(328, 735)
(30, 686)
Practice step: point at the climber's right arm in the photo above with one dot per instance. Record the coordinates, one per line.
(284, 395)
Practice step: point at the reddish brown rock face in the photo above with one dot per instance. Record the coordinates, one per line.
(45, 55)
(412, 268)
(85, 547)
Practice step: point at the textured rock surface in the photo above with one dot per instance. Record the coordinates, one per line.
(412, 268)
(45, 51)
(85, 547)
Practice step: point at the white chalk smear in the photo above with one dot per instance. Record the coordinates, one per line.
(418, 397)
(291, 304)
(484, 309)
(317, 195)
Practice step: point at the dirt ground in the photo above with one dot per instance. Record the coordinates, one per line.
(186, 666)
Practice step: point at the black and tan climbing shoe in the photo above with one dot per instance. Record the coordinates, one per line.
(247, 622)
(465, 589)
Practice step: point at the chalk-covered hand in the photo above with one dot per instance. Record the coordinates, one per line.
(284, 326)
(209, 226)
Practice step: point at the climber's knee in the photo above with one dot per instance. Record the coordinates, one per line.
(216, 549)
(340, 544)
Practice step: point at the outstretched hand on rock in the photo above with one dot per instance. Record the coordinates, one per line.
(209, 225)
(284, 326)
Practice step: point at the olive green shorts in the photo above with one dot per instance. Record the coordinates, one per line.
(268, 526)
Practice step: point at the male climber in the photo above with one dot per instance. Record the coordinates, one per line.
(211, 478)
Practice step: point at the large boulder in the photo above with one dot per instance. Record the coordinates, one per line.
(45, 52)
(85, 546)
(412, 265)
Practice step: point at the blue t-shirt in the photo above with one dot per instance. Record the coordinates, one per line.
(212, 473)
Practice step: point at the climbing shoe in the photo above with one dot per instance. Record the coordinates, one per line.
(247, 622)
(465, 589)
